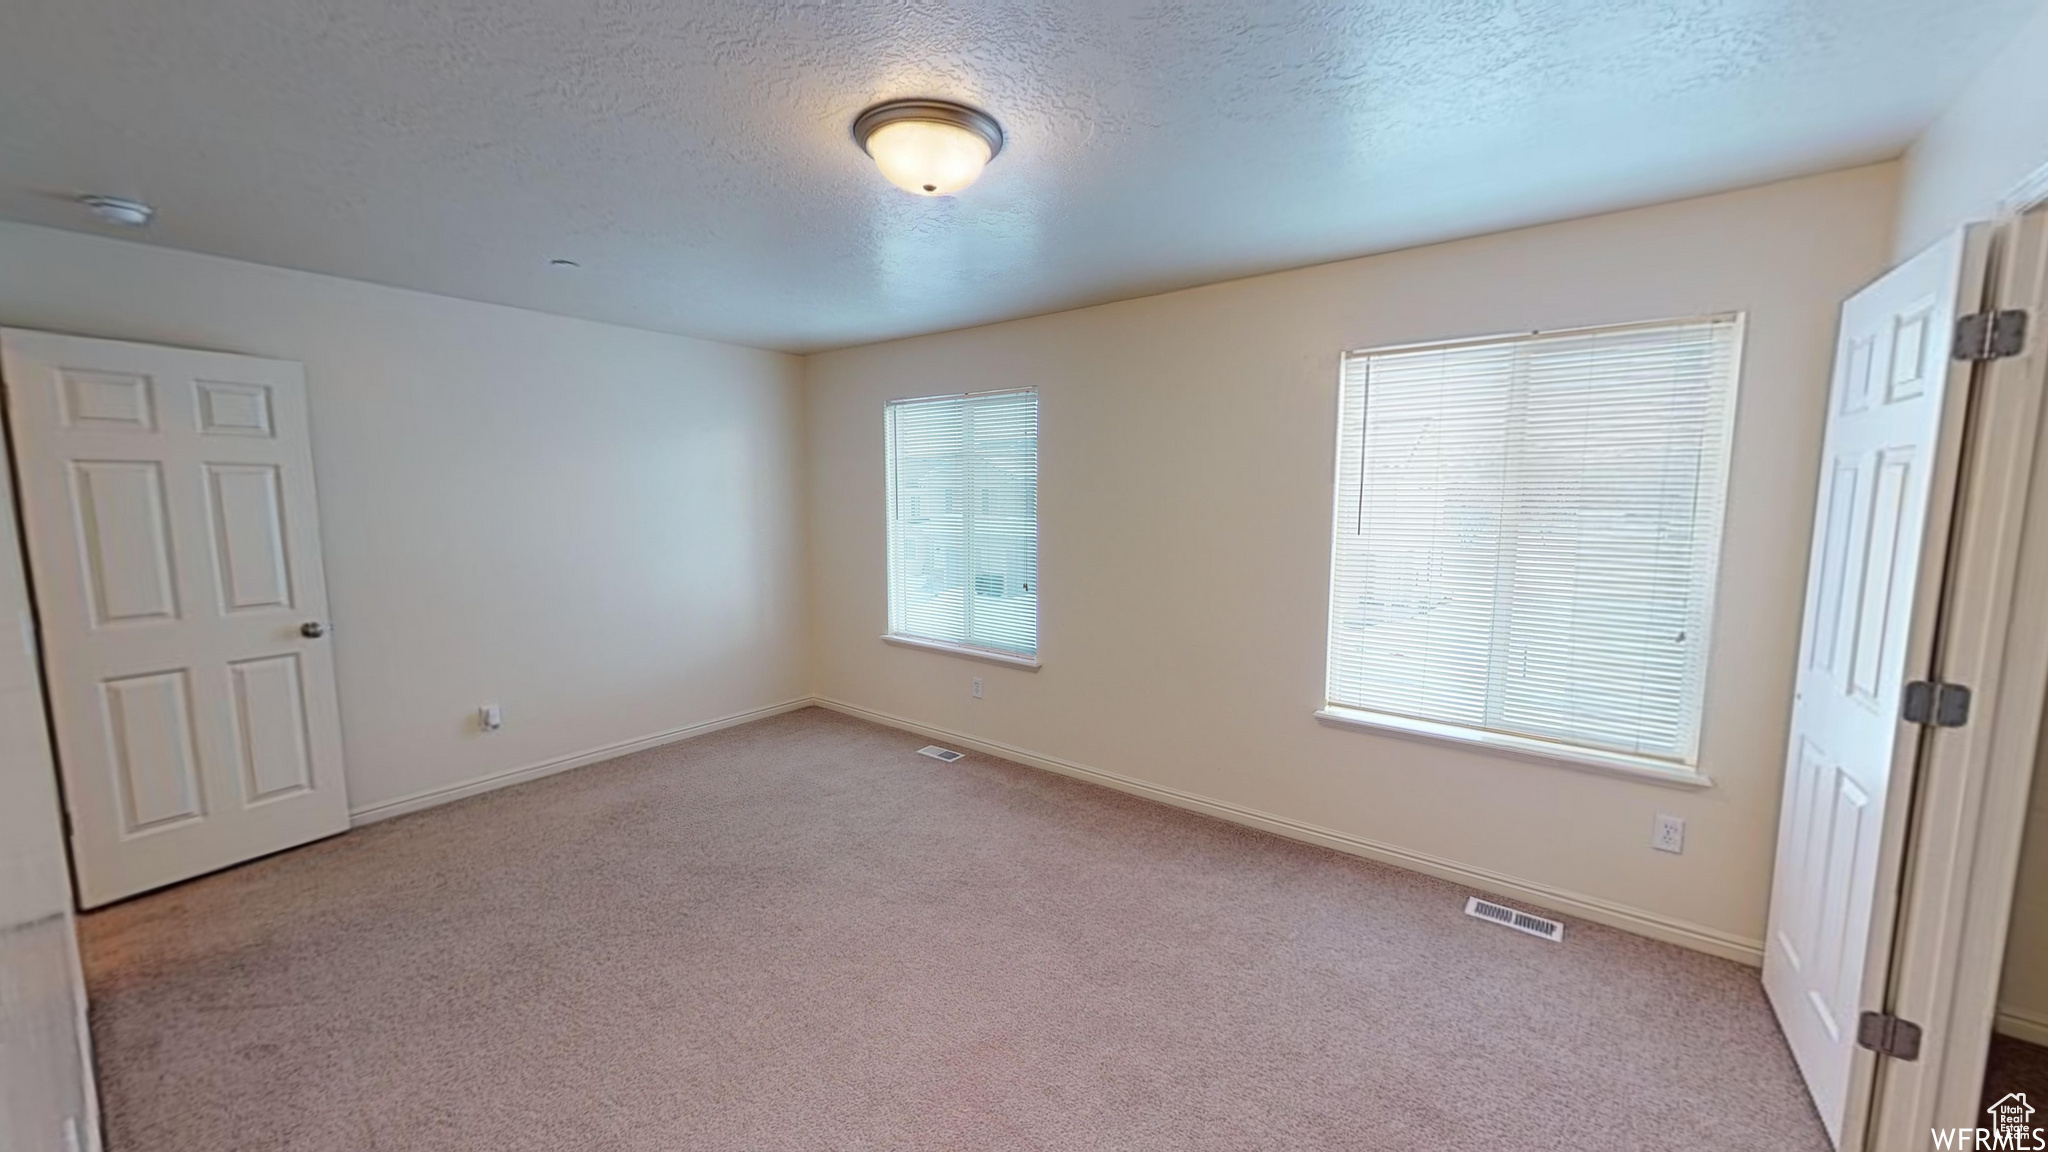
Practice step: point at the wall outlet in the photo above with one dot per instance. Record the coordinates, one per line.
(1668, 834)
(977, 687)
(490, 718)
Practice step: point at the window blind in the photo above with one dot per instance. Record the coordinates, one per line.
(1527, 532)
(963, 519)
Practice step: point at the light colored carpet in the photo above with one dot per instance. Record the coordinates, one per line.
(801, 935)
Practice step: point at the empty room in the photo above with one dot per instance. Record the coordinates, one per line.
(1120, 575)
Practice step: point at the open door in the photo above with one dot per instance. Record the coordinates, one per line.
(1880, 546)
(167, 502)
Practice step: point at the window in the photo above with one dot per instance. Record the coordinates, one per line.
(963, 521)
(1526, 536)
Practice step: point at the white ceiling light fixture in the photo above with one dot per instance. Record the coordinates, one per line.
(119, 210)
(928, 147)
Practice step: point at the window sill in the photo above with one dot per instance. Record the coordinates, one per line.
(1011, 659)
(1520, 747)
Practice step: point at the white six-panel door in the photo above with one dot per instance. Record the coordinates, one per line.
(1873, 586)
(167, 500)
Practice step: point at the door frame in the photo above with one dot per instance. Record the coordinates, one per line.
(1970, 796)
(36, 747)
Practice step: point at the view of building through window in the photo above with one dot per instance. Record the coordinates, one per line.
(963, 520)
(1526, 532)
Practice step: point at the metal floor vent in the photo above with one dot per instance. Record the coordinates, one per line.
(1507, 917)
(938, 753)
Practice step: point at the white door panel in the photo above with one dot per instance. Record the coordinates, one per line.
(1879, 546)
(168, 503)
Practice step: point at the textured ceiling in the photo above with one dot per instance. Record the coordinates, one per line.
(694, 155)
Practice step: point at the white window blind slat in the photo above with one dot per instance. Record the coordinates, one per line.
(963, 519)
(1527, 531)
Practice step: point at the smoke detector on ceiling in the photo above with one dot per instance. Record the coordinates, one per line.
(119, 210)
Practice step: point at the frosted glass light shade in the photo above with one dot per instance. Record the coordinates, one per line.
(928, 147)
(928, 159)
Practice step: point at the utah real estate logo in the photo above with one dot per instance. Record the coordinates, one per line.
(2012, 1126)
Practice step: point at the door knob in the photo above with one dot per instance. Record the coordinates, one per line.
(312, 629)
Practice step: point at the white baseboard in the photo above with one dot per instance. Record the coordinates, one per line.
(1683, 933)
(2021, 1025)
(371, 813)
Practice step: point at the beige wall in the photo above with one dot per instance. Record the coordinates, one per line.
(1990, 139)
(597, 527)
(1186, 457)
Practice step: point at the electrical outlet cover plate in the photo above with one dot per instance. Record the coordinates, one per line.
(1668, 834)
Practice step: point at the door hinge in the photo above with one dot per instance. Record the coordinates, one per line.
(1887, 1035)
(1937, 704)
(1990, 335)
